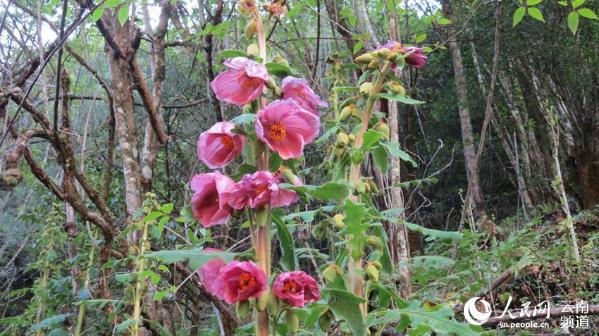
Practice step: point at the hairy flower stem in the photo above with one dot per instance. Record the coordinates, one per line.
(356, 280)
(83, 307)
(139, 286)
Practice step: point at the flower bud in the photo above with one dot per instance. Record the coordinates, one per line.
(395, 87)
(252, 50)
(383, 128)
(366, 88)
(338, 219)
(273, 305)
(375, 242)
(352, 138)
(342, 139)
(250, 29)
(325, 319)
(246, 7)
(263, 300)
(385, 53)
(364, 58)
(292, 321)
(360, 188)
(242, 308)
(373, 64)
(290, 177)
(331, 273)
(373, 187)
(372, 273)
(280, 60)
(376, 264)
(339, 152)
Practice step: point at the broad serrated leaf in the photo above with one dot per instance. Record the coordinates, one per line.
(357, 47)
(518, 16)
(278, 69)
(245, 118)
(385, 259)
(381, 158)
(587, 13)
(536, 14)
(449, 235)
(394, 150)
(230, 53)
(346, 306)
(370, 138)
(123, 14)
(197, 258)
(573, 20)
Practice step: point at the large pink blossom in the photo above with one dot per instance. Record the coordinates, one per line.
(296, 288)
(286, 127)
(242, 83)
(299, 90)
(219, 145)
(207, 204)
(258, 190)
(238, 281)
(209, 271)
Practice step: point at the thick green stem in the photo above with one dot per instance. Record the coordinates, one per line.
(83, 307)
(356, 280)
(139, 286)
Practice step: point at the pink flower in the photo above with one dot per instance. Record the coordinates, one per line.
(238, 281)
(258, 190)
(206, 203)
(209, 271)
(415, 57)
(286, 127)
(296, 288)
(242, 83)
(218, 146)
(298, 90)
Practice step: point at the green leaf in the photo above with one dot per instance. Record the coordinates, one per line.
(196, 257)
(431, 262)
(331, 191)
(394, 150)
(402, 99)
(385, 259)
(563, 3)
(357, 47)
(518, 16)
(288, 257)
(533, 2)
(97, 14)
(230, 53)
(587, 13)
(50, 321)
(123, 14)
(573, 22)
(536, 14)
(444, 235)
(111, 3)
(381, 158)
(346, 306)
(577, 3)
(444, 21)
(440, 321)
(167, 208)
(371, 137)
(420, 38)
(125, 325)
(278, 69)
(245, 118)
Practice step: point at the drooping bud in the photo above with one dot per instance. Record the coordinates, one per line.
(338, 219)
(366, 88)
(376, 264)
(373, 187)
(250, 29)
(290, 177)
(349, 110)
(395, 87)
(364, 58)
(280, 60)
(374, 64)
(383, 128)
(385, 53)
(375, 242)
(325, 319)
(292, 321)
(252, 50)
(342, 139)
(242, 308)
(372, 273)
(263, 300)
(331, 273)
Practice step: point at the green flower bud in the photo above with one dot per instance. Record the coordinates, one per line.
(364, 58)
(360, 188)
(372, 273)
(280, 60)
(395, 87)
(292, 321)
(373, 64)
(325, 319)
(242, 308)
(342, 139)
(250, 29)
(375, 242)
(273, 305)
(352, 138)
(252, 50)
(373, 187)
(366, 88)
(263, 300)
(383, 128)
(338, 219)
(331, 273)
